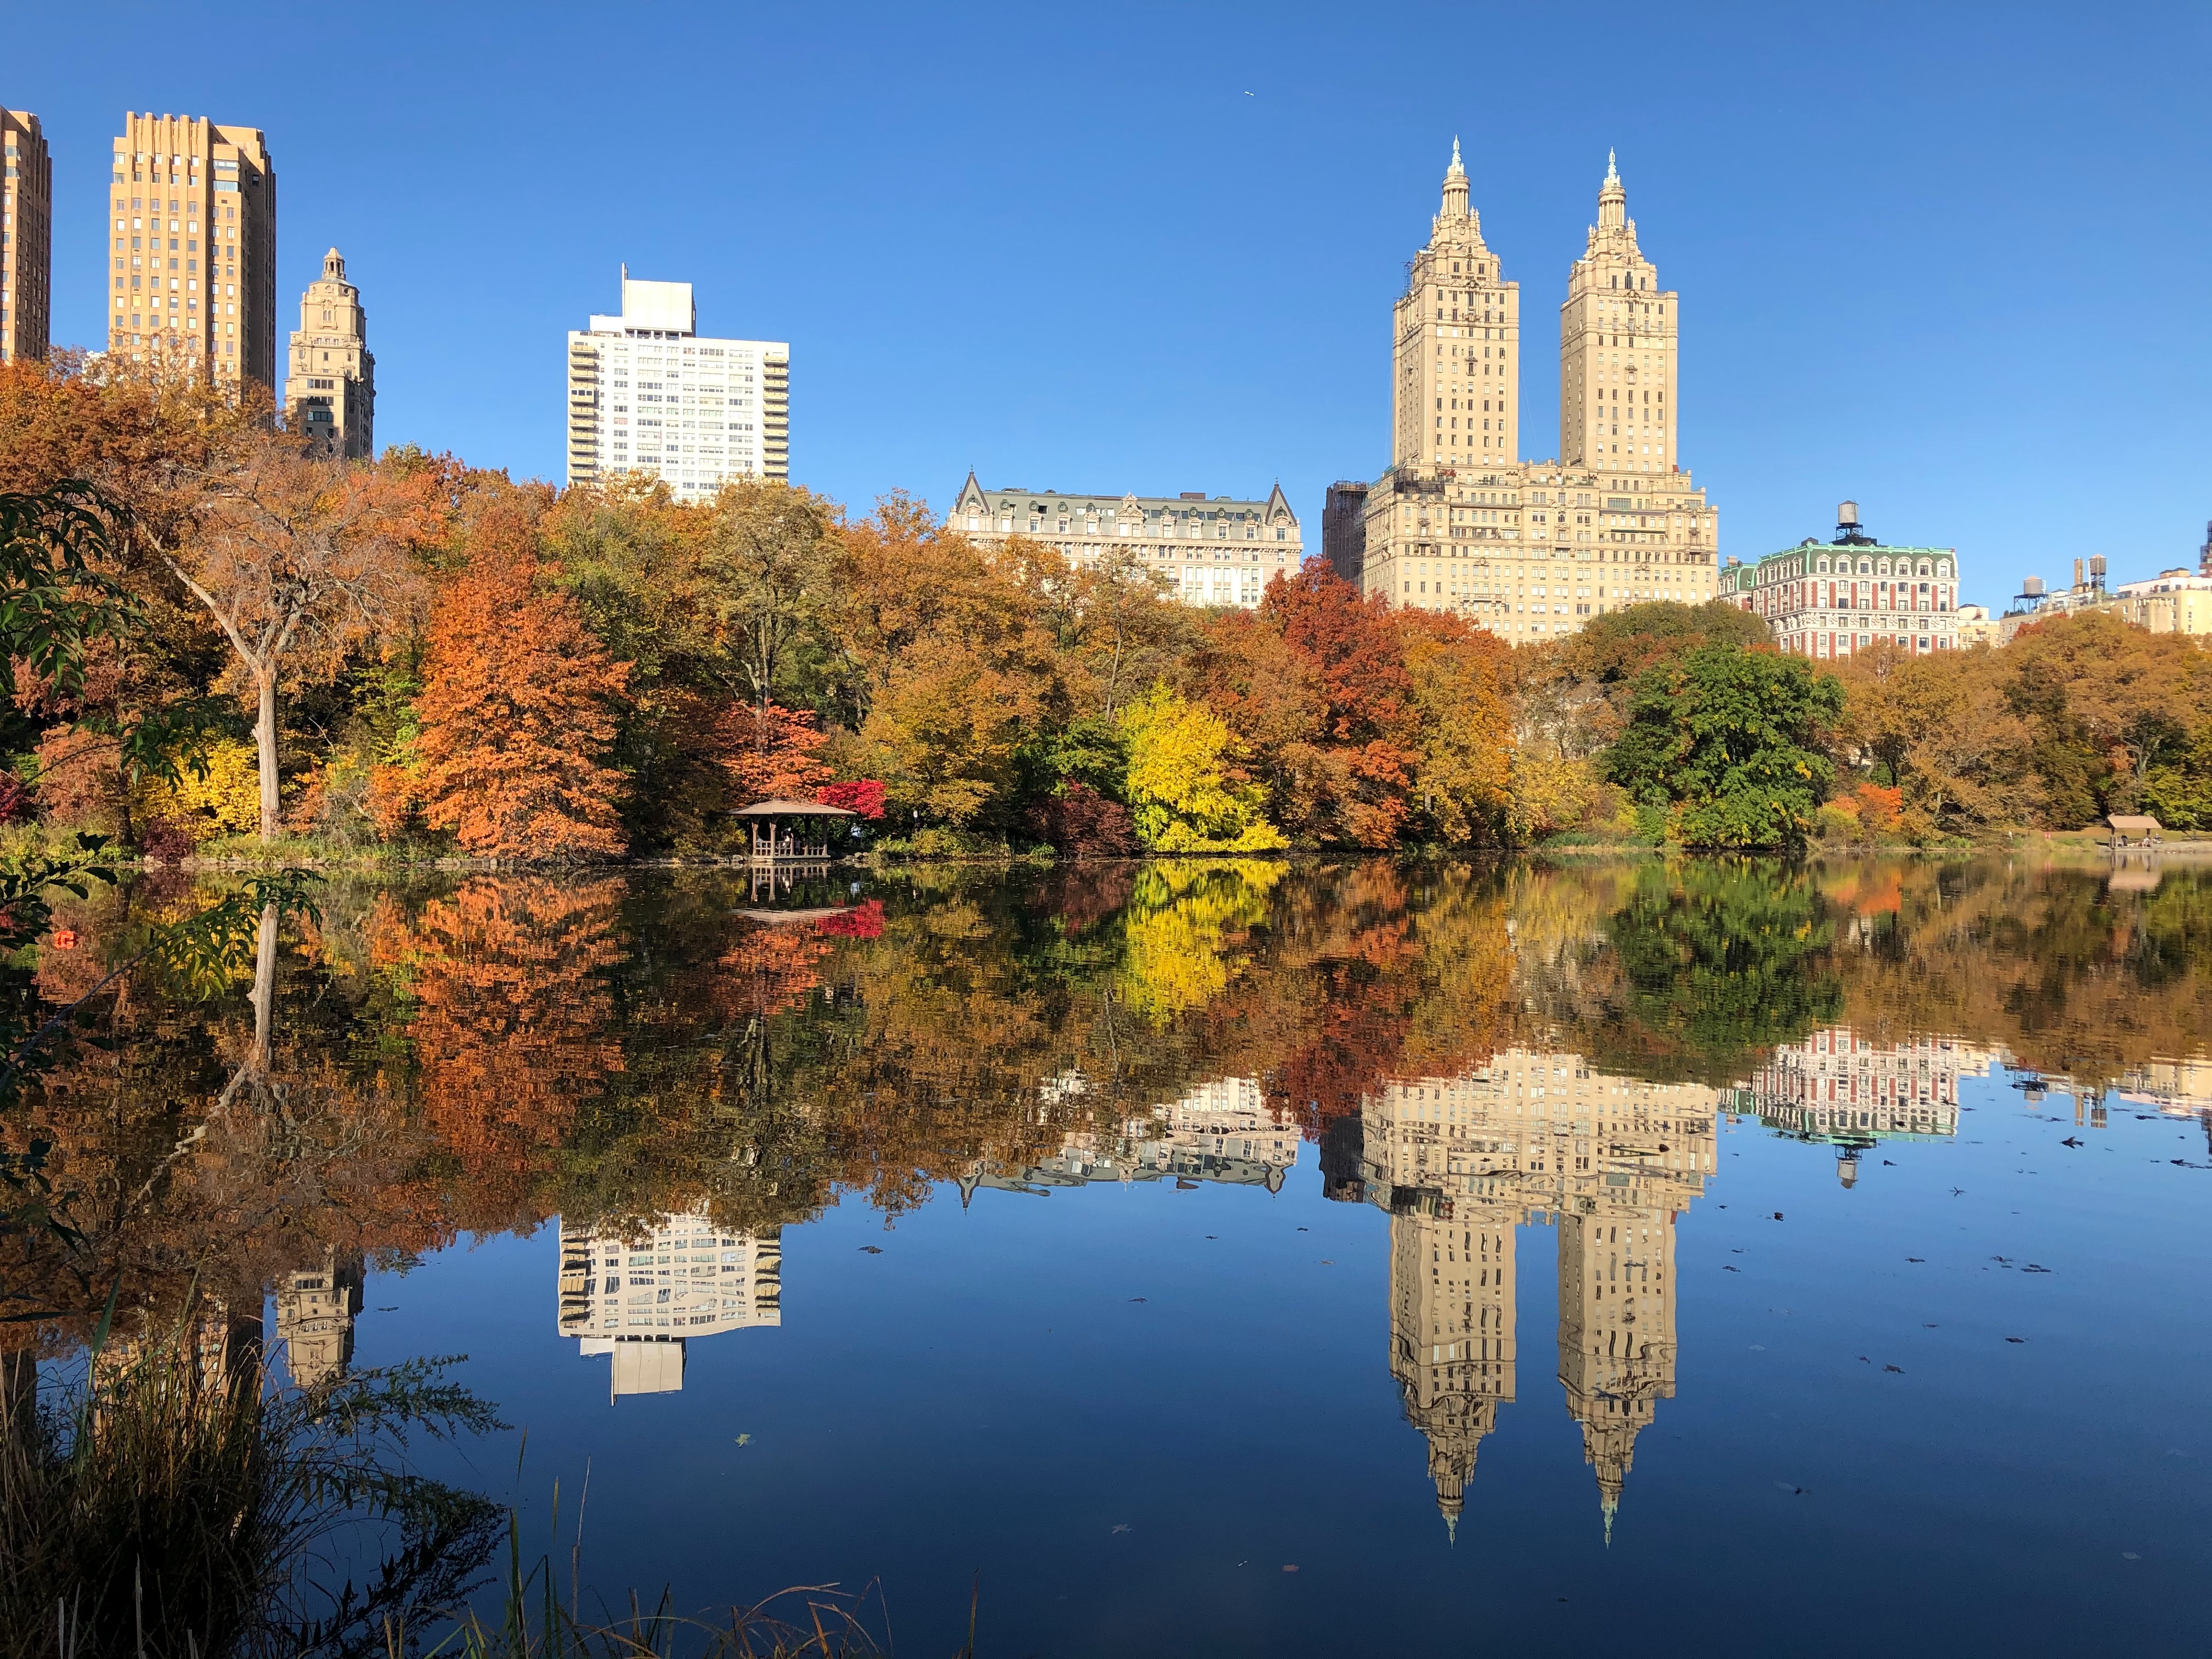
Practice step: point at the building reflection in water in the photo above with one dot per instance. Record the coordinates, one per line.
(1611, 1163)
(316, 1308)
(1842, 1090)
(640, 1298)
(1460, 1164)
(1221, 1131)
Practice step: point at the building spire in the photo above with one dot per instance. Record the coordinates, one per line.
(1612, 168)
(1455, 204)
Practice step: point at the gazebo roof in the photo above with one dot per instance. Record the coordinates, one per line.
(794, 809)
(2128, 823)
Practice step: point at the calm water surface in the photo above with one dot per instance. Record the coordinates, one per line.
(1242, 1258)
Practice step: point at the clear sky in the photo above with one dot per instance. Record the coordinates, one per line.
(1953, 260)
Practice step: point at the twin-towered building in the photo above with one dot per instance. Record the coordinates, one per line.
(1531, 550)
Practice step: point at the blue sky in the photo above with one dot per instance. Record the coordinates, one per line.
(1950, 260)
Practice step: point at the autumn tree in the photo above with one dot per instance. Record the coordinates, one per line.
(1185, 787)
(300, 560)
(516, 708)
(1461, 678)
(768, 572)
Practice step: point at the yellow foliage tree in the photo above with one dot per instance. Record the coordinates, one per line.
(1183, 788)
(224, 801)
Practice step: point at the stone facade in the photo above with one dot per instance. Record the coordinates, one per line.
(1532, 549)
(193, 253)
(27, 251)
(1206, 551)
(330, 383)
(648, 394)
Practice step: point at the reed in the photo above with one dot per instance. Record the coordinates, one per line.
(170, 1503)
(527, 1620)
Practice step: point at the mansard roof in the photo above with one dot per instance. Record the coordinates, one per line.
(1274, 508)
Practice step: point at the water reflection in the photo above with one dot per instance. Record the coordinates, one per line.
(1223, 1132)
(638, 1296)
(1841, 1089)
(1460, 1164)
(672, 1071)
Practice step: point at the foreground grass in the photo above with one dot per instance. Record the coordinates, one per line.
(171, 1504)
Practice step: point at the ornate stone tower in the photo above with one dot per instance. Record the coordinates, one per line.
(1617, 339)
(1456, 389)
(330, 383)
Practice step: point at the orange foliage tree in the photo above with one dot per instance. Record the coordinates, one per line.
(516, 708)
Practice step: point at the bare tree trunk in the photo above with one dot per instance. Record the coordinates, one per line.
(265, 740)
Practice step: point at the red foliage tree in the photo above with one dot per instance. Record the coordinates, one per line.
(862, 795)
(1080, 822)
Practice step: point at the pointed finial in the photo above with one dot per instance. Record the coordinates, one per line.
(1612, 171)
(1611, 1506)
(1456, 171)
(1452, 1532)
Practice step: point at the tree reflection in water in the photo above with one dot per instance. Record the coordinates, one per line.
(617, 1048)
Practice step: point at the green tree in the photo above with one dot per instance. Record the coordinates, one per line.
(1724, 745)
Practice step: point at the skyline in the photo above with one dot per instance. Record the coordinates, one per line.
(1184, 280)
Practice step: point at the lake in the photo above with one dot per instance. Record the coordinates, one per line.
(1227, 1257)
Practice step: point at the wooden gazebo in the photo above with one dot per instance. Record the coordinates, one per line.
(2145, 830)
(792, 831)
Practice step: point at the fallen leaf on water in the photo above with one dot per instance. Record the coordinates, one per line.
(1288, 1568)
(744, 1440)
(1326, 1262)
(1726, 1268)
(1786, 1487)
(1121, 1526)
(1136, 1298)
(1899, 1370)
(872, 1250)
(1915, 1258)
(2016, 1339)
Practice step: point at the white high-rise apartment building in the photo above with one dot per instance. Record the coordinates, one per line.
(647, 394)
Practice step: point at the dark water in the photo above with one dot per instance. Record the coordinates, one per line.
(1695, 1258)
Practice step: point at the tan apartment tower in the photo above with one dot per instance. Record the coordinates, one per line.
(1456, 331)
(1617, 335)
(330, 384)
(27, 238)
(193, 246)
